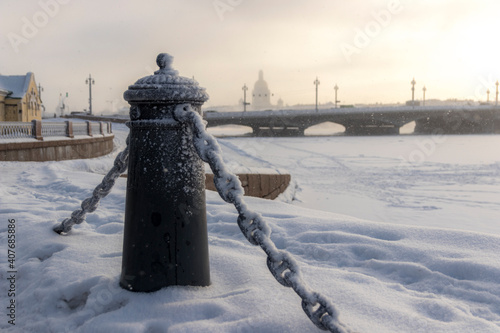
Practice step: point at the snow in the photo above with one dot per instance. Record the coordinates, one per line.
(400, 232)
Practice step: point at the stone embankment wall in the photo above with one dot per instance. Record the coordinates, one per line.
(56, 150)
(267, 186)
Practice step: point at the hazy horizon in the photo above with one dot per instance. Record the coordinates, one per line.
(372, 50)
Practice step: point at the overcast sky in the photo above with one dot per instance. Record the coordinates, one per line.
(371, 49)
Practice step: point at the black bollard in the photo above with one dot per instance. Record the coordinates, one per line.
(165, 236)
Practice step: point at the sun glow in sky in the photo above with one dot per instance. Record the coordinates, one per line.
(370, 49)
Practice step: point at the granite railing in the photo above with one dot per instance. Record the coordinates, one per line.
(38, 129)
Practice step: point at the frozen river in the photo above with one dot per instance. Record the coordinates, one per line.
(450, 181)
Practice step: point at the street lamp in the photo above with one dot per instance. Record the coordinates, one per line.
(316, 82)
(245, 88)
(424, 89)
(488, 96)
(90, 81)
(336, 88)
(413, 92)
(496, 97)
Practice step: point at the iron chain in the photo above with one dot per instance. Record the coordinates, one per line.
(90, 204)
(282, 265)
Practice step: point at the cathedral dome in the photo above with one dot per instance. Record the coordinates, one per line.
(260, 84)
(261, 95)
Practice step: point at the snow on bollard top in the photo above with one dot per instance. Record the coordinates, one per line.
(166, 86)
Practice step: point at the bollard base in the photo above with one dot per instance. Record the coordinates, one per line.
(165, 233)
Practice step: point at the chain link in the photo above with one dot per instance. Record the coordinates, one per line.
(282, 265)
(90, 204)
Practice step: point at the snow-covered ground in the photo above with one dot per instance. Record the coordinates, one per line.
(402, 233)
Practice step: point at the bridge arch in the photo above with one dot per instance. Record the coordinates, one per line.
(408, 127)
(324, 128)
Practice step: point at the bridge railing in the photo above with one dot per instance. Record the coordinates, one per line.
(38, 129)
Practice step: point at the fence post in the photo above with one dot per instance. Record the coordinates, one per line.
(101, 127)
(69, 129)
(37, 129)
(89, 128)
(165, 234)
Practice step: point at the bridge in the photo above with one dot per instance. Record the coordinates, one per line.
(366, 120)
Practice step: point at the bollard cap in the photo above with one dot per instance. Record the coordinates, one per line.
(166, 86)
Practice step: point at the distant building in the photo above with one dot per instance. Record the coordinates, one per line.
(280, 104)
(19, 98)
(261, 95)
(412, 103)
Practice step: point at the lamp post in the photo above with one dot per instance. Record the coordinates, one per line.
(245, 88)
(90, 81)
(496, 95)
(336, 88)
(413, 92)
(488, 96)
(316, 82)
(424, 89)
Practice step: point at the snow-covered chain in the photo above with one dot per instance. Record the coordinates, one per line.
(282, 265)
(90, 204)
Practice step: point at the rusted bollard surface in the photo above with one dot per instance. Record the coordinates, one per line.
(165, 235)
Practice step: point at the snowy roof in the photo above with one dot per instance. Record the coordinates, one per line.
(17, 85)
